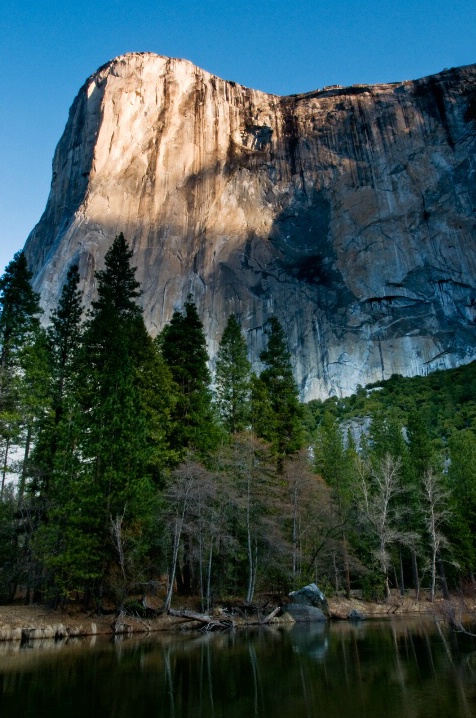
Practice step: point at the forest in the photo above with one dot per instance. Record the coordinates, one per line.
(125, 468)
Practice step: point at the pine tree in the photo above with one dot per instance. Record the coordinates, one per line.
(33, 396)
(19, 332)
(277, 377)
(64, 337)
(422, 453)
(386, 437)
(336, 464)
(19, 312)
(264, 421)
(183, 347)
(462, 482)
(112, 442)
(119, 358)
(233, 378)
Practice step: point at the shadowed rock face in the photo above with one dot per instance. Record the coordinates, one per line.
(347, 212)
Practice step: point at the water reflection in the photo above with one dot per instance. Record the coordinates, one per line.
(404, 668)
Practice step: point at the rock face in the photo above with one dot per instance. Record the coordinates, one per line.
(347, 212)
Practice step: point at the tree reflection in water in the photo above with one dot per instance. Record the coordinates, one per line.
(398, 668)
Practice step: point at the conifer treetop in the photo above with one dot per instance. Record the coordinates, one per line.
(19, 305)
(117, 286)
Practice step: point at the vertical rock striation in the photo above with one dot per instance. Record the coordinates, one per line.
(347, 212)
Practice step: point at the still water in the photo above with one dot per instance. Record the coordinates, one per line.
(380, 669)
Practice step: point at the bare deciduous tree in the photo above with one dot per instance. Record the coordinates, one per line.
(313, 518)
(436, 512)
(180, 494)
(380, 489)
(258, 502)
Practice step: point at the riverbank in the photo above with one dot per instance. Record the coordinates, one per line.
(24, 623)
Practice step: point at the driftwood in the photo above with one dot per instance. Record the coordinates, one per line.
(393, 608)
(209, 623)
(119, 625)
(271, 615)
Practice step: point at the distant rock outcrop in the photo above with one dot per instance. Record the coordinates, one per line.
(347, 212)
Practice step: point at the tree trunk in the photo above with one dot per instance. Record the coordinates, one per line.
(416, 577)
(26, 454)
(186, 587)
(200, 571)
(209, 577)
(249, 593)
(402, 578)
(208, 621)
(336, 575)
(173, 565)
(433, 577)
(5, 465)
(346, 566)
(295, 536)
(444, 585)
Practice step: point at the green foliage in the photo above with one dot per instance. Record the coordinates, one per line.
(263, 418)
(276, 381)
(110, 435)
(128, 468)
(21, 362)
(332, 461)
(233, 371)
(63, 347)
(8, 547)
(19, 311)
(462, 483)
(65, 337)
(444, 401)
(183, 347)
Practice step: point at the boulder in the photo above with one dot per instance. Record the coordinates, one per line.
(302, 613)
(310, 595)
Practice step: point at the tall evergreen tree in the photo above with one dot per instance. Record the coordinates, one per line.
(233, 371)
(462, 482)
(64, 337)
(115, 440)
(19, 312)
(336, 463)
(386, 437)
(422, 453)
(184, 350)
(19, 333)
(278, 380)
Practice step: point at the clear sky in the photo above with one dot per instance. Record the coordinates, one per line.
(49, 47)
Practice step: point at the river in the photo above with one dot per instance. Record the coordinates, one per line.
(399, 668)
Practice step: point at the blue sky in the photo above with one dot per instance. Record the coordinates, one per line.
(49, 47)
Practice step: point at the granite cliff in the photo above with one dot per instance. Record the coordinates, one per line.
(347, 212)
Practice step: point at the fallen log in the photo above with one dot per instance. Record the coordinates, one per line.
(271, 615)
(209, 623)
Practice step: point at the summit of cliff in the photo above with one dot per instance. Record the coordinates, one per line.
(349, 212)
